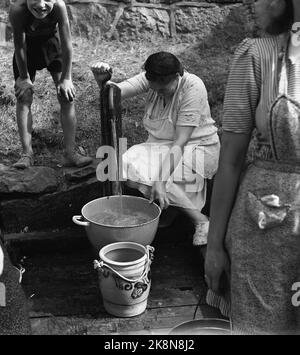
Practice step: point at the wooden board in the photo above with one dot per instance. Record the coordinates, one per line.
(152, 321)
(65, 297)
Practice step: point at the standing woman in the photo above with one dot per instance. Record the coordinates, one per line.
(254, 234)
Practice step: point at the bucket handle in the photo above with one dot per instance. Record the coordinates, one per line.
(99, 265)
(76, 220)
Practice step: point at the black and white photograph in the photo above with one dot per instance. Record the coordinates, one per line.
(150, 170)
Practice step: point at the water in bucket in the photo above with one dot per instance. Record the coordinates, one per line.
(124, 277)
(124, 255)
(120, 216)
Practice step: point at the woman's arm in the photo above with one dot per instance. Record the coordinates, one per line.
(182, 136)
(241, 98)
(134, 86)
(234, 148)
(169, 164)
(129, 88)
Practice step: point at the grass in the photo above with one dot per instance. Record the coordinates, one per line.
(209, 59)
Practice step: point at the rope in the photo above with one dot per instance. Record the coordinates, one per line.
(100, 265)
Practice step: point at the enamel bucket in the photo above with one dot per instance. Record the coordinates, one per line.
(205, 326)
(100, 234)
(124, 277)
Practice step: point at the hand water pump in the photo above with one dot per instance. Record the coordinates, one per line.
(111, 123)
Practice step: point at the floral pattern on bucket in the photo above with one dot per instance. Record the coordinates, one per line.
(125, 288)
(138, 287)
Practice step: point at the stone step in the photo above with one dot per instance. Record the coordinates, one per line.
(42, 198)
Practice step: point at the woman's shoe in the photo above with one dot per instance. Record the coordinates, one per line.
(201, 232)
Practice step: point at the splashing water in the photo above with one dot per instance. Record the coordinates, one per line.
(297, 210)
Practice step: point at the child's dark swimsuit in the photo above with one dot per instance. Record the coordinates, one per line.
(43, 45)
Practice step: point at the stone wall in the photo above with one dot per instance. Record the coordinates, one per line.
(163, 18)
(138, 19)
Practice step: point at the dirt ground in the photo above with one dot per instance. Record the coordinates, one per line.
(209, 60)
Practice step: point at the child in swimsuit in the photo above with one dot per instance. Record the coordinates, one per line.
(42, 39)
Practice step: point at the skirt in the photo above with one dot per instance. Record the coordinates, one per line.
(186, 187)
(263, 243)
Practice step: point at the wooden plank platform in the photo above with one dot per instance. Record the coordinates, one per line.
(64, 293)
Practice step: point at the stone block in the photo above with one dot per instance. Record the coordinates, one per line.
(34, 180)
(50, 210)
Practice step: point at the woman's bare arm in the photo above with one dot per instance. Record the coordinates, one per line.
(234, 148)
(172, 159)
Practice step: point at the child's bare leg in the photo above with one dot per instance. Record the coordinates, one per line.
(24, 121)
(68, 122)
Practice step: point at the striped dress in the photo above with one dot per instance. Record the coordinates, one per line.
(266, 259)
(253, 86)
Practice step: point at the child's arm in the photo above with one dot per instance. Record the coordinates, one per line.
(17, 19)
(66, 86)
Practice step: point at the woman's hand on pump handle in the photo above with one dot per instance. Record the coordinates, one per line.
(102, 71)
(101, 67)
